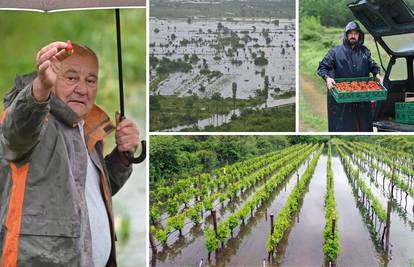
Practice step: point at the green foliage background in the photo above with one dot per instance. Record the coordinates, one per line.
(176, 157)
(331, 13)
(183, 156)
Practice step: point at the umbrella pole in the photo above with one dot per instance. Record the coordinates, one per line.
(119, 52)
(128, 155)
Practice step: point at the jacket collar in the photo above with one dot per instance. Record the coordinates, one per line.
(97, 126)
(97, 123)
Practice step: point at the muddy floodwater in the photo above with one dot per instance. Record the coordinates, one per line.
(402, 218)
(356, 245)
(249, 241)
(168, 38)
(310, 222)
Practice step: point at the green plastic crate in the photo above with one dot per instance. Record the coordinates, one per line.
(404, 112)
(350, 97)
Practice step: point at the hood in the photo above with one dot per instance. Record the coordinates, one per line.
(353, 26)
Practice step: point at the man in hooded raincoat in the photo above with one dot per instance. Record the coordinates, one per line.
(350, 60)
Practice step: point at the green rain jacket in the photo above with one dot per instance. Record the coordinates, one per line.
(43, 214)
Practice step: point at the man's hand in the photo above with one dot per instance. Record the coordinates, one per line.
(379, 78)
(126, 135)
(48, 61)
(330, 82)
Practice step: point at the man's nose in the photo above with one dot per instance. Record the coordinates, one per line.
(81, 87)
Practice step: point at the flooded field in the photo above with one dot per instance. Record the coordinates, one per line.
(222, 58)
(351, 223)
(402, 219)
(310, 221)
(303, 242)
(174, 38)
(246, 238)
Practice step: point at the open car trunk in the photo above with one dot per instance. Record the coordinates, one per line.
(391, 23)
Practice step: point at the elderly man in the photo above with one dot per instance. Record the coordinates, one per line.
(349, 60)
(55, 183)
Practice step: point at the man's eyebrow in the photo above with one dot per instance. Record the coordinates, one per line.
(90, 74)
(71, 70)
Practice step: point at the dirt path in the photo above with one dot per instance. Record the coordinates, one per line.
(315, 104)
(316, 100)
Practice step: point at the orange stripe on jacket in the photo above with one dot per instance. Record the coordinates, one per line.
(3, 116)
(14, 215)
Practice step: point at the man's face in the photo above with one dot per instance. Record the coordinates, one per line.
(76, 82)
(353, 37)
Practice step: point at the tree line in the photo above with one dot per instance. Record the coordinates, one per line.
(332, 13)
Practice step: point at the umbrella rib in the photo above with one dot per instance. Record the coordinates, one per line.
(93, 8)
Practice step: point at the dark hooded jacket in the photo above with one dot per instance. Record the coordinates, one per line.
(343, 61)
(43, 213)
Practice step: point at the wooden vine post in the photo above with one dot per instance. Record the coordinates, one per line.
(272, 224)
(213, 214)
(387, 233)
(272, 217)
(152, 241)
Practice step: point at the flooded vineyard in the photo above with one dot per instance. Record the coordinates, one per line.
(272, 210)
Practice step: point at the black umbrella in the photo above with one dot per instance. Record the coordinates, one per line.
(65, 5)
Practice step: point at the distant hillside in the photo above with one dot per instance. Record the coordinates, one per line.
(222, 8)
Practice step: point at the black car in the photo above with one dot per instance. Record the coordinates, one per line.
(391, 23)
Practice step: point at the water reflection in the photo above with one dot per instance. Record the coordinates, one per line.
(220, 119)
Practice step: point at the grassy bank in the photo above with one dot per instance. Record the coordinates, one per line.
(189, 109)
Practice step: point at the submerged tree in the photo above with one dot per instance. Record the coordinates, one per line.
(219, 26)
(266, 87)
(234, 90)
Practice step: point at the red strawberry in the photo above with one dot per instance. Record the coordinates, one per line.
(69, 48)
